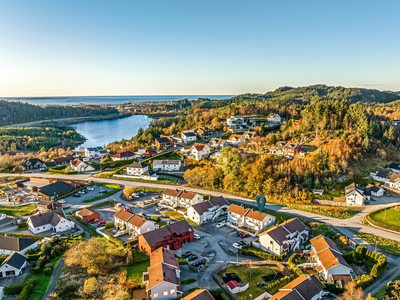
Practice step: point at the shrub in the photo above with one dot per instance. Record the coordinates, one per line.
(331, 287)
(13, 289)
(3, 258)
(23, 225)
(292, 266)
(26, 291)
(156, 218)
(30, 251)
(349, 256)
(252, 251)
(48, 271)
(109, 225)
(33, 257)
(36, 270)
(276, 285)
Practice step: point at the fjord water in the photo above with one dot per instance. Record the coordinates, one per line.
(101, 133)
(98, 100)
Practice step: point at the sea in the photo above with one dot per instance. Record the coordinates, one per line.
(98, 100)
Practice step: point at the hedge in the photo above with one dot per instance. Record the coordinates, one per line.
(255, 252)
(36, 237)
(293, 267)
(276, 285)
(26, 291)
(331, 287)
(13, 289)
(33, 257)
(109, 225)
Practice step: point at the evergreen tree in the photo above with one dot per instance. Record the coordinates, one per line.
(365, 144)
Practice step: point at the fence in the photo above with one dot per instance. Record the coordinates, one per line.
(98, 230)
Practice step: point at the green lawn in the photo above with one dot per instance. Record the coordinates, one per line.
(109, 185)
(252, 276)
(136, 271)
(102, 196)
(17, 211)
(384, 244)
(390, 216)
(188, 281)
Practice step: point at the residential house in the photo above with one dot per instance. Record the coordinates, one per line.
(55, 190)
(250, 135)
(236, 215)
(63, 161)
(203, 131)
(140, 171)
(395, 167)
(53, 220)
(32, 163)
(288, 150)
(13, 265)
(170, 197)
(49, 164)
(199, 151)
(11, 244)
(255, 122)
(121, 219)
(258, 221)
(138, 225)
(188, 136)
(149, 153)
(95, 152)
(207, 210)
(186, 150)
(46, 205)
(199, 295)
(162, 279)
(171, 236)
(357, 196)
(163, 143)
(274, 119)
(380, 175)
(218, 143)
(331, 266)
(236, 124)
(187, 199)
(288, 236)
(374, 190)
(305, 287)
(167, 165)
(236, 139)
(124, 156)
(87, 215)
(79, 166)
(393, 181)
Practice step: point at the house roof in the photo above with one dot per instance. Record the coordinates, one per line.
(15, 260)
(162, 255)
(52, 217)
(56, 188)
(32, 161)
(189, 134)
(172, 193)
(199, 295)
(373, 188)
(202, 207)
(187, 195)
(50, 164)
(239, 210)
(279, 233)
(393, 177)
(137, 221)
(395, 166)
(124, 154)
(15, 243)
(166, 162)
(158, 235)
(137, 165)
(304, 287)
(221, 201)
(85, 212)
(162, 140)
(330, 259)
(233, 284)
(198, 146)
(382, 173)
(60, 160)
(150, 152)
(320, 243)
(272, 116)
(163, 272)
(76, 162)
(123, 215)
(235, 136)
(256, 215)
(345, 278)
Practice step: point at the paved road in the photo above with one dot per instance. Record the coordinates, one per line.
(347, 227)
(58, 269)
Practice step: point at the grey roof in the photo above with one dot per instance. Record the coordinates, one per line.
(33, 161)
(136, 165)
(162, 140)
(310, 287)
(221, 201)
(202, 207)
(15, 243)
(15, 260)
(395, 166)
(56, 188)
(374, 188)
(102, 151)
(50, 164)
(51, 217)
(166, 162)
(279, 233)
(382, 173)
(189, 134)
(95, 148)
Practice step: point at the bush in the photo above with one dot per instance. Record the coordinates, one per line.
(276, 285)
(252, 251)
(13, 289)
(349, 256)
(33, 257)
(37, 270)
(48, 271)
(30, 251)
(22, 225)
(156, 218)
(331, 287)
(110, 225)
(3, 258)
(292, 266)
(26, 291)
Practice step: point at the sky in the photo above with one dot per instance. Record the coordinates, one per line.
(75, 47)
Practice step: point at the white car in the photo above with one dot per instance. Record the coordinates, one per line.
(237, 246)
(61, 201)
(221, 224)
(196, 236)
(90, 188)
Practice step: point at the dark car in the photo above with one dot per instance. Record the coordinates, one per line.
(102, 191)
(76, 195)
(237, 233)
(192, 257)
(241, 243)
(186, 254)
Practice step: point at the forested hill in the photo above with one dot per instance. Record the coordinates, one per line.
(305, 95)
(17, 112)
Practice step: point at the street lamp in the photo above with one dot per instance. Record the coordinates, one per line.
(251, 296)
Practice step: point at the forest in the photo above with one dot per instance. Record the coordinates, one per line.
(18, 112)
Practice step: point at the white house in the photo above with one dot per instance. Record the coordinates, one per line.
(304, 287)
(258, 221)
(167, 165)
(53, 220)
(11, 244)
(199, 151)
(188, 136)
(236, 124)
(163, 279)
(395, 167)
(13, 265)
(331, 265)
(218, 143)
(380, 175)
(274, 118)
(187, 199)
(236, 215)
(79, 166)
(374, 190)
(140, 171)
(32, 163)
(178, 198)
(207, 210)
(355, 195)
(393, 181)
(121, 219)
(288, 236)
(250, 135)
(138, 225)
(95, 152)
(236, 139)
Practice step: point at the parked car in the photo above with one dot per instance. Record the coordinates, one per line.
(61, 201)
(221, 224)
(76, 195)
(237, 246)
(142, 193)
(102, 191)
(135, 195)
(237, 233)
(54, 234)
(94, 221)
(244, 234)
(186, 254)
(42, 169)
(196, 236)
(101, 223)
(192, 257)
(90, 188)
(241, 243)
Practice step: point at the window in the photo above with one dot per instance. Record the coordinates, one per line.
(155, 295)
(166, 293)
(172, 291)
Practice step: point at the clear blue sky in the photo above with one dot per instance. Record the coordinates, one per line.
(132, 47)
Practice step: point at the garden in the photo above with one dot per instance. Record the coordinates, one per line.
(17, 211)
(388, 218)
(382, 243)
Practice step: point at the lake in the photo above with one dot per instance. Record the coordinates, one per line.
(101, 133)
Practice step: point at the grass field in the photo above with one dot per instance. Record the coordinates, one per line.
(109, 185)
(382, 243)
(136, 271)
(17, 211)
(390, 216)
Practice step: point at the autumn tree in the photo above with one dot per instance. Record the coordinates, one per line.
(352, 292)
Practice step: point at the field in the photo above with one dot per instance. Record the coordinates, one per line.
(382, 243)
(17, 211)
(140, 263)
(390, 217)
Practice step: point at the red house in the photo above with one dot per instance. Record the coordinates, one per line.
(87, 215)
(149, 153)
(171, 236)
